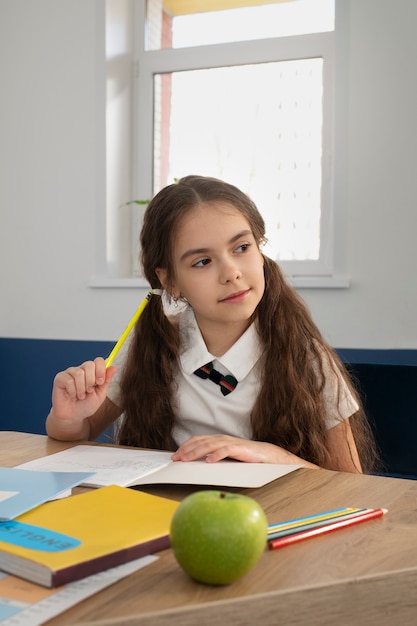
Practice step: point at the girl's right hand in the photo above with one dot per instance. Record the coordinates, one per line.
(78, 392)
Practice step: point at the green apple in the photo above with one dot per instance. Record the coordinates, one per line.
(217, 536)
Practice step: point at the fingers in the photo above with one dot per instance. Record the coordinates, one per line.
(214, 448)
(80, 381)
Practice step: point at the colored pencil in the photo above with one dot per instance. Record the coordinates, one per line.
(321, 521)
(281, 542)
(311, 518)
(128, 328)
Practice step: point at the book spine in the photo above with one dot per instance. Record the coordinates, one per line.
(87, 568)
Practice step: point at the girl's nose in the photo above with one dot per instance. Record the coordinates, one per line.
(230, 272)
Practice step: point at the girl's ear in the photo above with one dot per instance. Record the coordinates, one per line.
(170, 288)
(162, 276)
(163, 279)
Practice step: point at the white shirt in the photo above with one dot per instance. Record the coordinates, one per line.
(201, 407)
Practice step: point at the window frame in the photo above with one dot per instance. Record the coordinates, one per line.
(330, 269)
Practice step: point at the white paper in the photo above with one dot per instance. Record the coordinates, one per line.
(125, 467)
(5, 495)
(111, 466)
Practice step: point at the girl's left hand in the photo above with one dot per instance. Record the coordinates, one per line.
(217, 447)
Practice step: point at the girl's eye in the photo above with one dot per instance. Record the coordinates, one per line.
(243, 247)
(201, 263)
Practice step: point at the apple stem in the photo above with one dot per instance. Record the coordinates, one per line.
(222, 494)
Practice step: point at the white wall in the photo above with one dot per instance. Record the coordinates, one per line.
(380, 308)
(51, 152)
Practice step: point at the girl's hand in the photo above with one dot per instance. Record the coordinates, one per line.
(79, 391)
(217, 447)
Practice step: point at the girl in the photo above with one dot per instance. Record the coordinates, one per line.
(239, 370)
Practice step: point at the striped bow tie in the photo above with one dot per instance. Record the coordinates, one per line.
(227, 383)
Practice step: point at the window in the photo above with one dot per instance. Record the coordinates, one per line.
(266, 139)
(256, 109)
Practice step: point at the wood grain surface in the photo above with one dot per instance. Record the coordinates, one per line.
(366, 574)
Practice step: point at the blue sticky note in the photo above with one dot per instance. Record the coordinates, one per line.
(35, 537)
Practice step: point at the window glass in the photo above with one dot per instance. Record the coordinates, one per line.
(180, 23)
(257, 126)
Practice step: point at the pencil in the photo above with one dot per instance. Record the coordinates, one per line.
(275, 544)
(324, 521)
(311, 518)
(128, 328)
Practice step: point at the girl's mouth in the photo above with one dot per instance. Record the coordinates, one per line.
(238, 296)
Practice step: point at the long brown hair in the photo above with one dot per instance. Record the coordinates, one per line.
(289, 410)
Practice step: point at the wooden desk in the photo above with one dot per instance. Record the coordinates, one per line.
(362, 575)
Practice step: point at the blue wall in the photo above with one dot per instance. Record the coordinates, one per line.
(27, 371)
(387, 357)
(28, 367)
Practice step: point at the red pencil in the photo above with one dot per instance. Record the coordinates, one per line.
(274, 544)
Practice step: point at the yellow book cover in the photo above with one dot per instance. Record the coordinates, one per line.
(68, 539)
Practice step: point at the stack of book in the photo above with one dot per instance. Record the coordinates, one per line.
(65, 539)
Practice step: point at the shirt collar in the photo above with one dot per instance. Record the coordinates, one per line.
(238, 360)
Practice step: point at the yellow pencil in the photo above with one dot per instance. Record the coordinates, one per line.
(129, 327)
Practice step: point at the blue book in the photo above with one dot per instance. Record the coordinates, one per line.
(22, 490)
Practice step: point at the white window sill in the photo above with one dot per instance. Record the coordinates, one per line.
(299, 282)
(106, 282)
(319, 282)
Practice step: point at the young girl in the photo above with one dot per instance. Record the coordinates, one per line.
(285, 398)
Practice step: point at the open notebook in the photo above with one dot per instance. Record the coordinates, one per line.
(128, 467)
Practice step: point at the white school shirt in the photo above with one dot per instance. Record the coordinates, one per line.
(199, 404)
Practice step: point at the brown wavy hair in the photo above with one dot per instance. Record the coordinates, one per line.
(289, 410)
